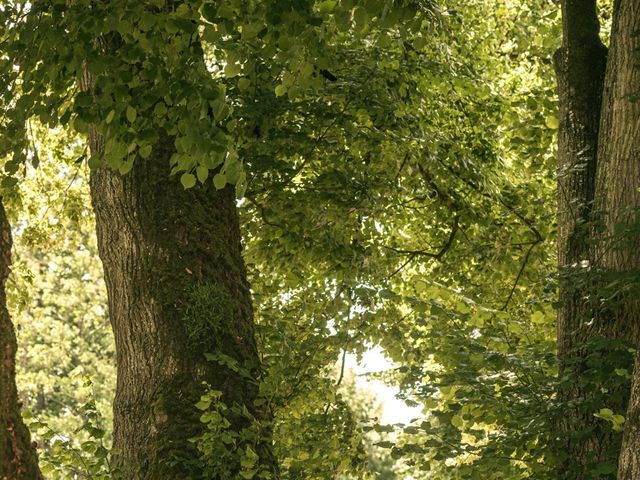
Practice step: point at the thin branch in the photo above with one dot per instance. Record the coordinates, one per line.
(404, 161)
(397, 270)
(344, 358)
(436, 255)
(262, 211)
(520, 272)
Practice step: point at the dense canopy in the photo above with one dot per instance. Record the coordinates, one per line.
(219, 214)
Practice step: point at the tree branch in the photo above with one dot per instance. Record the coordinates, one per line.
(424, 253)
(262, 211)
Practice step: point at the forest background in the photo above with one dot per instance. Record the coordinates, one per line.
(396, 174)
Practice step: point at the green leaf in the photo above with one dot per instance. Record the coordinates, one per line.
(95, 161)
(126, 166)
(110, 116)
(131, 114)
(360, 18)
(203, 404)
(327, 6)
(160, 110)
(244, 84)
(457, 421)
(219, 180)
(385, 444)
(202, 173)
(552, 122)
(145, 151)
(188, 180)
(232, 69)
(241, 185)
(9, 181)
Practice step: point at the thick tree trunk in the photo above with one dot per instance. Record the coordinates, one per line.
(598, 240)
(177, 289)
(18, 458)
(618, 203)
(580, 67)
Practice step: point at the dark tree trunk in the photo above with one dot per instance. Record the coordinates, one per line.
(18, 458)
(599, 177)
(580, 66)
(177, 289)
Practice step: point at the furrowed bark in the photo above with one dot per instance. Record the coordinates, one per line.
(18, 457)
(165, 249)
(618, 204)
(580, 66)
(603, 305)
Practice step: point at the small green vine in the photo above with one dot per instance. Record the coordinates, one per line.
(226, 451)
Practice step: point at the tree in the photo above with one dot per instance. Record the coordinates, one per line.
(172, 258)
(18, 458)
(618, 191)
(597, 243)
(177, 291)
(179, 300)
(370, 208)
(135, 78)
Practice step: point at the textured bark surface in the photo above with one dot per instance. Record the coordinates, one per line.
(598, 228)
(580, 68)
(164, 248)
(618, 201)
(18, 458)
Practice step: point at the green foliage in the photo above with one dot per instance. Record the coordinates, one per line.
(62, 459)
(103, 68)
(207, 315)
(227, 452)
(56, 294)
(410, 213)
(397, 165)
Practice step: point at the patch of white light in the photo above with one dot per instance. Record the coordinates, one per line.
(393, 409)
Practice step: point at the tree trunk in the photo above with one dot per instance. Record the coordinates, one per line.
(598, 241)
(618, 203)
(177, 290)
(18, 457)
(580, 66)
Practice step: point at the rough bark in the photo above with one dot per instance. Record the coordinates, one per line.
(598, 240)
(177, 289)
(618, 203)
(18, 457)
(580, 66)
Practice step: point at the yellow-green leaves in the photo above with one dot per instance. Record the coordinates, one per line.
(232, 69)
(552, 122)
(219, 180)
(327, 6)
(202, 173)
(131, 113)
(616, 421)
(145, 151)
(188, 180)
(360, 19)
(457, 421)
